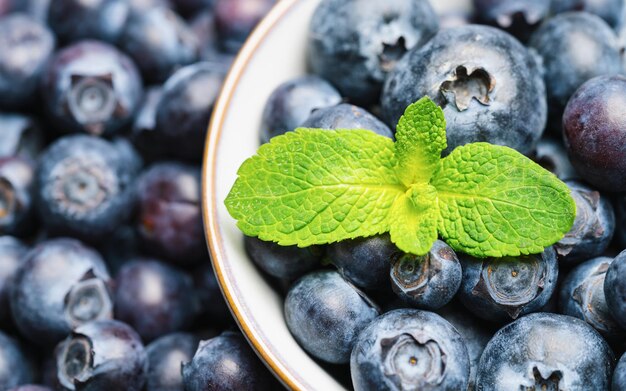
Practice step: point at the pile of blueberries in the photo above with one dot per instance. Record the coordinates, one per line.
(543, 77)
(105, 279)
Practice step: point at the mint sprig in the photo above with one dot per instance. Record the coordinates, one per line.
(315, 186)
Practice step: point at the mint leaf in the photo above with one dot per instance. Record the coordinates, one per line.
(317, 186)
(495, 202)
(414, 220)
(421, 136)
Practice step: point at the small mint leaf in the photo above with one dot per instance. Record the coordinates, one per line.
(495, 202)
(420, 138)
(317, 186)
(414, 220)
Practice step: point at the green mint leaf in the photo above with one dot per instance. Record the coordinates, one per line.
(315, 186)
(494, 202)
(420, 138)
(414, 220)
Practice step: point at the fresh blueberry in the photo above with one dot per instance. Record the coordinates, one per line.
(185, 108)
(170, 215)
(212, 308)
(203, 27)
(85, 187)
(284, 262)
(192, 7)
(226, 362)
(582, 296)
(144, 127)
(20, 136)
(165, 357)
(355, 43)
(593, 227)
(60, 285)
(16, 366)
(291, 103)
(325, 315)
(501, 289)
(552, 155)
(235, 19)
(17, 177)
(575, 47)
(594, 130)
(488, 85)
(31, 387)
(518, 17)
(546, 352)
(120, 247)
(25, 48)
(160, 42)
(428, 282)
(346, 116)
(609, 10)
(38, 9)
(410, 350)
(12, 253)
(73, 20)
(102, 355)
(619, 375)
(91, 87)
(615, 289)
(154, 298)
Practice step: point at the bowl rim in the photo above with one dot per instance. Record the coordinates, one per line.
(209, 210)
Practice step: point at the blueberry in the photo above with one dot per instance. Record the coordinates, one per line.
(594, 130)
(285, 262)
(60, 285)
(355, 43)
(12, 253)
(488, 85)
(226, 362)
(120, 247)
(609, 10)
(615, 289)
(91, 87)
(619, 375)
(291, 103)
(102, 355)
(430, 281)
(235, 19)
(30, 387)
(185, 108)
(552, 155)
(575, 47)
(518, 17)
(501, 289)
(25, 48)
(346, 116)
(325, 314)
(144, 125)
(192, 7)
(7, 6)
(593, 227)
(620, 214)
(548, 352)
(16, 366)
(84, 187)
(17, 177)
(160, 42)
(20, 136)
(170, 214)
(203, 27)
(410, 350)
(212, 308)
(165, 357)
(73, 20)
(582, 296)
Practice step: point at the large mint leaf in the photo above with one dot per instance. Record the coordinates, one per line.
(494, 202)
(317, 186)
(414, 220)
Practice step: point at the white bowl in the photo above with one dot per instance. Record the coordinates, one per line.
(274, 53)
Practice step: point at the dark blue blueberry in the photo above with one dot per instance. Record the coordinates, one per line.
(102, 355)
(144, 126)
(185, 108)
(518, 17)
(501, 289)
(20, 136)
(582, 296)
(226, 362)
(120, 247)
(488, 85)
(160, 42)
(31, 387)
(291, 103)
(325, 315)
(147, 5)
(284, 262)
(85, 187)
(354, 44)
(16, 366)
(170, 214)
(38, 9)
(575, 47)
(25, 48)
(609, 10)
(615, 289)
(17, 204)
(552, 155)
(192, 7)
(91, 87)
(212, 309)
(235, 20)
(546, 352)
(12, 253)
(165, 357)
(154, 298)
(619, 375)
(428, 282)
(60, 285)
(346, 116)
(593, 227)
(410, 350)
(72, 20)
